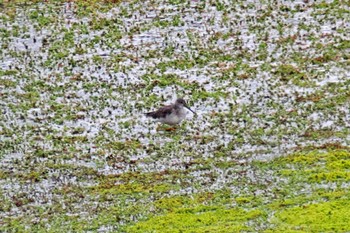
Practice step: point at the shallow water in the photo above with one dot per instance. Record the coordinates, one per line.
(74, 90)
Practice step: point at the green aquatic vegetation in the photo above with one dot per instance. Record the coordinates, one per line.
(131, 144)
(88, 8)
(253, 104)
(163, 23)
(341, 96)
(4, 33)
(344, 44)
(327, 216)
(16, 31)
(323, 166)
(97, 59)
(134, 184)
(199, 219)
(57, 51)
(177, 21)
(6, 83)
(203, 95)
(220, 6)
(39, 17)
(289, 72)
(114, 34)
(167, 80)
(262, 51)
(329, 53)
(333, 176)
(182, 64)
(34, 176)
(7, 73)
(170, 204)
(14, 225)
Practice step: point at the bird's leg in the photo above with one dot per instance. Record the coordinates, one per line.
(166, 128)
(170, 129)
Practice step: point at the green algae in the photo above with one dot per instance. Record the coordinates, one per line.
(199, 220)
(332, 216)
(289, 213)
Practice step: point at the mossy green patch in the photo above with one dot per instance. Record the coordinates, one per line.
(333, 216)
(199, 220)
(7, 73)
(316, 166)
(334, 175)
(289, 72)
(130, 144)
(318, 209)
(134, 183)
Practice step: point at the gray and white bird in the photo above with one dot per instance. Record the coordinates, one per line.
(171, 114)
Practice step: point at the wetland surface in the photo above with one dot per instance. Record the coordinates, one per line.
(269, 150)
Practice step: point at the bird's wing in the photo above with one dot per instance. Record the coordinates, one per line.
(161, 113)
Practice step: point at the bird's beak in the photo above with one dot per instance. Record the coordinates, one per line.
(190, 109)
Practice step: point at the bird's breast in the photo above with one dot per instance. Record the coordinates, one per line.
(175, 117)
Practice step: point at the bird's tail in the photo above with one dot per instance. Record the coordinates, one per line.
(149, 114)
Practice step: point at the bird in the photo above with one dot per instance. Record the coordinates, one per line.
(171, 114)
